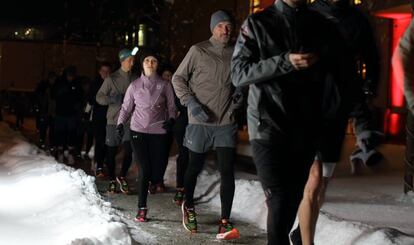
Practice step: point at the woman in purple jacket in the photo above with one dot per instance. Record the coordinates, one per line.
(150, 100)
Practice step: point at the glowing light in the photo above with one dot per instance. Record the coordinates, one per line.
(135, 51)
(141, 35)
(357, 2)
(133, 38)
(259, 5)
(400, 22)
(397, 96)
(394, 127)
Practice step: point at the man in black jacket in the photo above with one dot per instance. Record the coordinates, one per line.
(285, 54)
(68, 94)
(99, 119)
(357, 33)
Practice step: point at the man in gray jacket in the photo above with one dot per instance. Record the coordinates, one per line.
(202, 83)
(112, 94)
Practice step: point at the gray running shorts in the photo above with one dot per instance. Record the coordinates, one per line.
(202, 138)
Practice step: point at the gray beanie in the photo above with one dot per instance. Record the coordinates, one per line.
(219, 16)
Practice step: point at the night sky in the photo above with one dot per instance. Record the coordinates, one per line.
(53, 10)
(31, 11)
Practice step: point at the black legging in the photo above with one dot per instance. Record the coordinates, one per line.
(182, 159)
(158, 178)
(283, 170)
(126, 163)
(100, 148)
(84, 127)
(52, 135)
(225, 159)
(149, 150)
(42, 125)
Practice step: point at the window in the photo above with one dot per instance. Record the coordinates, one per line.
(141, 35)
(255, 6)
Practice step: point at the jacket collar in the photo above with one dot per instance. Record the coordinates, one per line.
(124, 74)
(149, 81)
(217, 44)
(284, 8)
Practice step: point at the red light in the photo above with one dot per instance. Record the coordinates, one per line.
(400, 22)
(394, 16)
(397, 76)
(394, 125)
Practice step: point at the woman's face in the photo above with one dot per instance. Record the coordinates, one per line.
(150, 65)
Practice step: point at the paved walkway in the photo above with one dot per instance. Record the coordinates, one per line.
(165, 220)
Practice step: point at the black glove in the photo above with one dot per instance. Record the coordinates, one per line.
(237, 100)
(197, 110)
(116, 99)
(168, 124)
(120, 130)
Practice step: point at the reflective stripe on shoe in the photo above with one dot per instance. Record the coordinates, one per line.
(189, 218)
(123, 185)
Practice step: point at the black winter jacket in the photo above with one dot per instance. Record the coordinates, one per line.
(99, 111)
(358, 34)
(281, 98)
(68, 97)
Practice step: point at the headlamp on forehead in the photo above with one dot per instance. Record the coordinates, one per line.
(135, 51)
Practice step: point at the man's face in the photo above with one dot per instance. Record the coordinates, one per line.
(51, 80)
(222, 32)
(104, 72)
(70, 77)
(128, 63)
(167, 75)
(150, 65)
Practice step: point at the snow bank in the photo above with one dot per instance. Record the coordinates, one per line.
(249, 205)
(44, 202)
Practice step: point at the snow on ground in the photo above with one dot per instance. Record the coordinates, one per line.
(362, 210)
(44, 202)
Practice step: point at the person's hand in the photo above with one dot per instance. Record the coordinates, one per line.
(303, 61)
(197, 110)
(120, 130)
(116, 99)
(168, 124)
(236, 100)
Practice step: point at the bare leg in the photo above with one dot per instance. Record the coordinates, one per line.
(322, 191)
(309, 207)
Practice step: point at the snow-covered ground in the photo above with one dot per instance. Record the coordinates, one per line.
(44, 202)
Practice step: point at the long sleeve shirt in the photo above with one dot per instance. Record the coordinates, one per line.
(150, 100)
